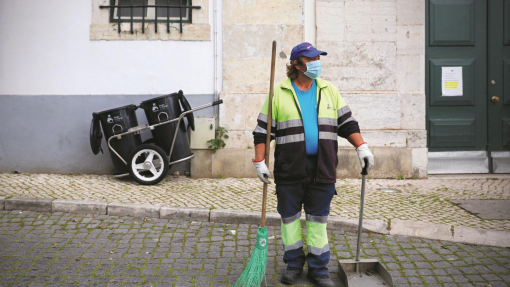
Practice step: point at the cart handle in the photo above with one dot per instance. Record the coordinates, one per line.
(178, 120)
(215, 103)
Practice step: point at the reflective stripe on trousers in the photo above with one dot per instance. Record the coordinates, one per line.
(291, 232)
(317, 235)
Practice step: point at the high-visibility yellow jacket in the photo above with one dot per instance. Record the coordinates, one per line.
(334, 119)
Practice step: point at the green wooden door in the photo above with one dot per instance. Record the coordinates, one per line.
(456, 36)
(499, 85)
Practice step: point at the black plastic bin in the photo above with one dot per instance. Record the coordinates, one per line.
(116, 121)
(164, 108)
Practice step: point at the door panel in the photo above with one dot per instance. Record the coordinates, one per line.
(505, 130)
(473, 34)
(468, 78)
(499, 84)
(506, 81)
(506, 12)
(452, 133)
(452, 22)
(456, 36)
(457, 123)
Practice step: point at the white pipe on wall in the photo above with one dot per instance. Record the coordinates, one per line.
(217, 43)
(310, 25)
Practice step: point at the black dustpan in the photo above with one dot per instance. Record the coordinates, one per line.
(363, 272)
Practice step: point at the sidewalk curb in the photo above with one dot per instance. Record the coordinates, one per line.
(419, 229)
(231, 216)
(351, 224)
(79, 206)
(185, 213)
(133, 209)
(481, 236)
(28, 203)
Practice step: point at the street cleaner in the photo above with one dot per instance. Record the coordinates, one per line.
(308, 114)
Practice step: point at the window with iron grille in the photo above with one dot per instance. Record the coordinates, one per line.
(148, 14)
(150, 20)
(146, 11)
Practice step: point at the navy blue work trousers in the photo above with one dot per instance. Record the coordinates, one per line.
(316, 200)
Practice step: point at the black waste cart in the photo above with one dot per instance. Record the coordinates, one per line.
(147, 163)
(161, 109)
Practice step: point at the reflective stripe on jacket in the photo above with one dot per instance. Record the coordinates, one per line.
(334, 119)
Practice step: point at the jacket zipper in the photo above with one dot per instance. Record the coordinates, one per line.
(318, 143)
(301, 115)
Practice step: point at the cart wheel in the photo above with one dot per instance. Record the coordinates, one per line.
(148, 164)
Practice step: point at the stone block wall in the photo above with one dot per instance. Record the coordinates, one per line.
(375, 57)
(249, 28)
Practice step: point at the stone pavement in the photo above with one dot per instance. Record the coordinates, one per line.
(44, 249)
(424, 200)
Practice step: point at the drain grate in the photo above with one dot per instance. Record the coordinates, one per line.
(389, 190)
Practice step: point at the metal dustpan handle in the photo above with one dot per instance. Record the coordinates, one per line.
(364, 173)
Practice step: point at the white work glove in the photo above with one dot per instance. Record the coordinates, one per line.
(262, 170)
(364, 153)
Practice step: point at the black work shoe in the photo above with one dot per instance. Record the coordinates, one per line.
(291, 275)
(320, 280)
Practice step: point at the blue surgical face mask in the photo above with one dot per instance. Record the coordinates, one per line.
(313, 69)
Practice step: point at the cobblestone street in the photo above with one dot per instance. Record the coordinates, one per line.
(424, 200)
(41, 249)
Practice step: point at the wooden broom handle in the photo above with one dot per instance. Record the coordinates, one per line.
(269, 129)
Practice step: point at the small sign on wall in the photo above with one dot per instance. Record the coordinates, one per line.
(451, 81)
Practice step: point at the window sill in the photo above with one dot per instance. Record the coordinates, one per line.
(190, 32)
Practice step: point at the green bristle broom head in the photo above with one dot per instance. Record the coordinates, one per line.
(255, 269)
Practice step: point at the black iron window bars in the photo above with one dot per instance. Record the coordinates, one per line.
(145, 7)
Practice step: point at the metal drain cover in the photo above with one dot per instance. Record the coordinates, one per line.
(389, 190)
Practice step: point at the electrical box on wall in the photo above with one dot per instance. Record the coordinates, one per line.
(204, 130)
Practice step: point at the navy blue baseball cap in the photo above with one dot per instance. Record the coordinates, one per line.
(305, 49)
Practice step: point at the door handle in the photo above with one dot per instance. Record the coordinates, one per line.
(495, 99)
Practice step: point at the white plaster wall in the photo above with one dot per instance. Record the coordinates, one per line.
(45, 50)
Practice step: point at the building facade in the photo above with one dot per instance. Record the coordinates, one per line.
(63, 60)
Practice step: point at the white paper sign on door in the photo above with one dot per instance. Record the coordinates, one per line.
(451, 81)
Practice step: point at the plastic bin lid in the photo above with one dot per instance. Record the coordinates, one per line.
(160, 97)
(120, 108)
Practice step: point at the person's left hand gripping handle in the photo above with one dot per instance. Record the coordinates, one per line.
(364, 153)
(262, 170)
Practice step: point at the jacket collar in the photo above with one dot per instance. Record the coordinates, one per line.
(287, 84)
